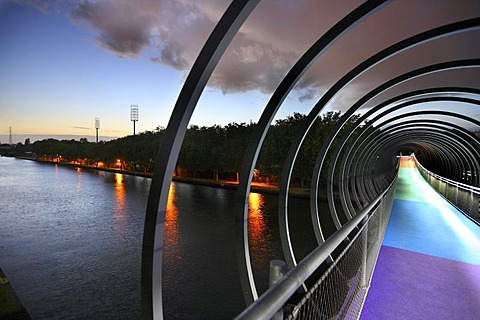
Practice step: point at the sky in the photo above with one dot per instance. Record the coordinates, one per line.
(65, 63)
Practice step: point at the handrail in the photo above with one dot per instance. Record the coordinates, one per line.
(464, 197)
(275, 297)
(456, 183)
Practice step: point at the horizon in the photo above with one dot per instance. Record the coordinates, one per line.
(20, 138)
(64, 64)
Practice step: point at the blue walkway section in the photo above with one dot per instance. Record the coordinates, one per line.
(429, 262)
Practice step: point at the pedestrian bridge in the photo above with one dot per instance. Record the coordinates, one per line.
(427, 266)
(418, 259)
(429, 261)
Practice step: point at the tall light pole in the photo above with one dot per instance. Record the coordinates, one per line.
(134, 115)
(97, 126)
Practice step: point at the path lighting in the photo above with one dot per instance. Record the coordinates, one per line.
(256, 174)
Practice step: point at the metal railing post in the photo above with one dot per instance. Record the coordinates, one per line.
(278, 268)
(364, 273)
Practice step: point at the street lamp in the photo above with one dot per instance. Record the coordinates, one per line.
(97, 126)
(134, 115)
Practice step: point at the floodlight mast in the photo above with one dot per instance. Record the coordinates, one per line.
(97, 126)
(134, 115)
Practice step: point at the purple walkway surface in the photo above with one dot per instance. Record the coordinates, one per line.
(410, 285)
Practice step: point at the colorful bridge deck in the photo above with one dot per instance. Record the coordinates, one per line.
(429, 262)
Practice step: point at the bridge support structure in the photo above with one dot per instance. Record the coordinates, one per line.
(358, 161)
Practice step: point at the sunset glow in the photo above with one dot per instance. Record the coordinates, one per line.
(66, 63)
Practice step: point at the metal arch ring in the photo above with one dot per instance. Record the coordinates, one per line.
(395, 108)
(308, 121)
(424, 112)
(333, 133)
(152, 244)
(444, 149)
(360, 134)
(472, 155)
(394, 128)
(446, 146)
(261, 129)
(353, 148)
(322, 154)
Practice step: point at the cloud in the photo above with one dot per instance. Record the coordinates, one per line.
(83, 128)
(306, 94)
(124, 27)
(172, 55)
(114, 131)
(39, 4)
(278, 32)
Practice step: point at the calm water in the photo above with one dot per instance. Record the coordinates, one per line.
(70, 243)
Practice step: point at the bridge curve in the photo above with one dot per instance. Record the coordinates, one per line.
(362, 158)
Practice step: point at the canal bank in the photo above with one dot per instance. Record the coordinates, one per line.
(11, 308)
(262, 188)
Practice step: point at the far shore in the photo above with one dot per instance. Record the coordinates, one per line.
(224, 184)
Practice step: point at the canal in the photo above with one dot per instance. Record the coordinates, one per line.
(70, 243)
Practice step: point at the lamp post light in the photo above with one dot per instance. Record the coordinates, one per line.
(134, 115)
(97, 126)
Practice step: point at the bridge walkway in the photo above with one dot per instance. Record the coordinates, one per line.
(429, 262)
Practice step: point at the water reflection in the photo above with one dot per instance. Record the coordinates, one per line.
(171, 229)
(118, 179)
(258, 236)
(92, 261)
(79, 179)
(120, 200)
(119, 193)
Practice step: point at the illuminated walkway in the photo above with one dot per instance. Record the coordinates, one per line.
(429, 262)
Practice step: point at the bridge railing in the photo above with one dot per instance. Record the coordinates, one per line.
(341, 290)
(465, 197)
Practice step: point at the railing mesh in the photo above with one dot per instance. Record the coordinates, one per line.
(341, 291)
(464, 198)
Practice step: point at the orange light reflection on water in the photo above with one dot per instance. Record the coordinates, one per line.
(171, 235)
(79, 179)
(257, 227)
(119, 198)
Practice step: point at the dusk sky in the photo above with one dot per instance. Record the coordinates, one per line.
(65, 63)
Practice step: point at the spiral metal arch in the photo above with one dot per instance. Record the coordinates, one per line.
(349, 210)
(342, 143)
(399, 136)
(455, 152)
(306, 124)
(334, 132)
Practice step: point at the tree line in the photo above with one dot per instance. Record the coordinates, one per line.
(214, 152)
